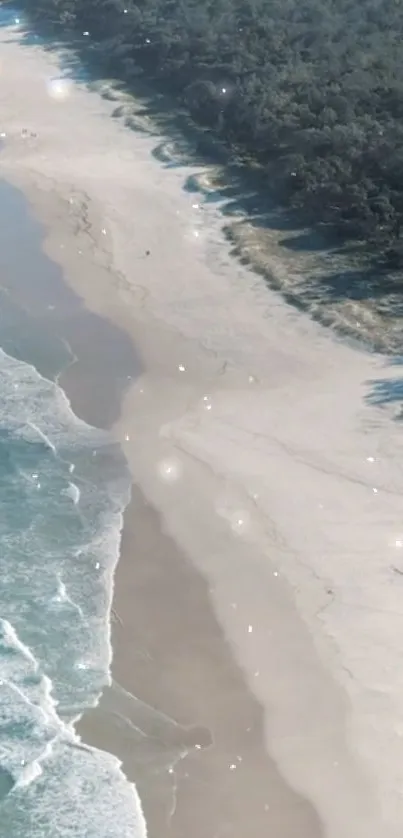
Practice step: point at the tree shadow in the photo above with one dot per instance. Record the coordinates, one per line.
(9, 15)
(387, 391)
(307, 241)
(357, 284)
(243, 191)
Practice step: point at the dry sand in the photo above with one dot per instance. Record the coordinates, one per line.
(266, 593)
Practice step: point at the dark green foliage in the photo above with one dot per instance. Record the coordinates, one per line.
(312, 91)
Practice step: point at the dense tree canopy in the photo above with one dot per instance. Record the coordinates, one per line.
(312, 90)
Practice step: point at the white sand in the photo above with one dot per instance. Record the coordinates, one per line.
(270, 468)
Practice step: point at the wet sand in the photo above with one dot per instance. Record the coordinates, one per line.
(179, 714)
(190, 735)
(261, 594)
(39, 308)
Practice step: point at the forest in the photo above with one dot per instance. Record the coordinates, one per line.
(310, 91)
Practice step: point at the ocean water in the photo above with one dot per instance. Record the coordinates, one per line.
(63, 488)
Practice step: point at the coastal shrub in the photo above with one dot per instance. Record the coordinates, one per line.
(312, 92)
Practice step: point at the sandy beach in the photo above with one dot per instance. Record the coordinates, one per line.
(256, 622)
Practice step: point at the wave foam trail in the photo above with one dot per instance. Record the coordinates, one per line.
(42, 436)
(10, 640)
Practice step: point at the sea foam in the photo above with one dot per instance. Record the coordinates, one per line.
(59, 543)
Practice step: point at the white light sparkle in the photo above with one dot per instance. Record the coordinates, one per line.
(169, 470)
(240, 522)
(59, 89)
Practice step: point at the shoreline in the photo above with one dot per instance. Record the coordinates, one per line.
(188, 730)
(172, 735)
(234, 506)
(274, 249)
(194, 767)
(180, 749)
(153, 722)
(270, 249)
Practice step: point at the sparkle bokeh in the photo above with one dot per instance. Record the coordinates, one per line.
(59, 89)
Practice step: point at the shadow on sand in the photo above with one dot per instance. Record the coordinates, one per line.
(388, 391)
(244, 193)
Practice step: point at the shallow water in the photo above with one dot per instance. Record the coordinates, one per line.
(44, 322)
(63, 488)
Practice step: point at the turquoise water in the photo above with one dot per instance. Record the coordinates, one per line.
(63, 488)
